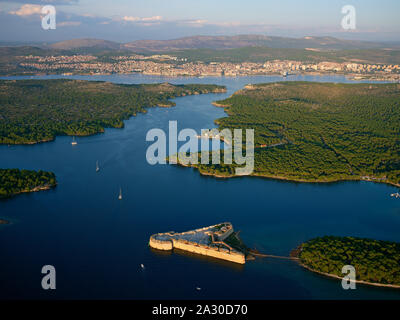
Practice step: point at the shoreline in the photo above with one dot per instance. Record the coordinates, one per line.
(219, 105)
(36, 189)
(171, 104)
(351, 75)
(282, 178)
(329, 275)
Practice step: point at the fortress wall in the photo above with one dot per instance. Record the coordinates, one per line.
(221, 253)
(209, 251)
(160, 245)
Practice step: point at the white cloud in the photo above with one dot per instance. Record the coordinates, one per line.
(28, 10)
(193, 23)
(69, 24)
(130, 18)
(199, 21)
(155, 18)
(44, 2)
(138, 19)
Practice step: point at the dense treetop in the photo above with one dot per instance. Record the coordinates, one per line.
(14, 181)
(262, 54)
(38, 110)
(374, 261)
(324, 131)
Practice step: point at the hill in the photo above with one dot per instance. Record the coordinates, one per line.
(85, 43)
(240, 41)
(219, 42)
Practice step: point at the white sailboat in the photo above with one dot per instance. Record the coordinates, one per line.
(120, 194)
(74, 143)
(97, 166)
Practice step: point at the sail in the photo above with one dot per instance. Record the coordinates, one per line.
(73, 141)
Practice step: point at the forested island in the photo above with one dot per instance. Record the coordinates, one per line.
(376, 262)
(16, 181)
(33, 111)
(317, 132)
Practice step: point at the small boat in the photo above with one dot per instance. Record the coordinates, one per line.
(142, 266)
(97, 166)
(396, 195)
(198, 288)
(74, 143)
(120, 194)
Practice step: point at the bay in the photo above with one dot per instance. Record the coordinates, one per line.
(97, 243)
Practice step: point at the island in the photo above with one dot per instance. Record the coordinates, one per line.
(376, 262)
(33, 111)
(317, 132)
(15, 181)
(208, 241)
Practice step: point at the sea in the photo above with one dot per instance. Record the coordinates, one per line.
(98, 243)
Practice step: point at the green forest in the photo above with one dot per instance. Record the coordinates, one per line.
(323, 131)
(262, 54)
(34, 111)
(15, 181)
(375, 261)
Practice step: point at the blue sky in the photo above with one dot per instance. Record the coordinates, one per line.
(127, 20)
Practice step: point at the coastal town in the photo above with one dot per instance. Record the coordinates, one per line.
(172, 66)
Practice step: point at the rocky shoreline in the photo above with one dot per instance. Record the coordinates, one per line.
(286, 178)
(36, 189)
(375, 284)
(295, 253)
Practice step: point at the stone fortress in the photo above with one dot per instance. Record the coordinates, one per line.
(208, 241)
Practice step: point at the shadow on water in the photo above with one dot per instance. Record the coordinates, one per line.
(210, 260)
(197, 258)
(161, 253)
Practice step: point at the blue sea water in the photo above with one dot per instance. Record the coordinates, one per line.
(97, 243)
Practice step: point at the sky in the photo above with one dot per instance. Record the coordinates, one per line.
(128, 20)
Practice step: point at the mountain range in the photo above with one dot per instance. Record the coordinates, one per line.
(220, 42)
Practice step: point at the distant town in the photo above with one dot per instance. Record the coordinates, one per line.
(172, 66)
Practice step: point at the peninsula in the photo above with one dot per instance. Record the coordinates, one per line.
(317, 132)
(33, 111)
(209, 241)
(15, 181)
(376, 262)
